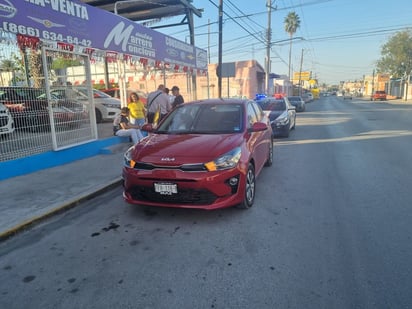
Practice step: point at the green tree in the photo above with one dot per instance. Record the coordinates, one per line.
(396, 55)
(9, 66)
(292, 24)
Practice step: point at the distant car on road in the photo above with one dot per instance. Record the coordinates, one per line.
(307, 97)
(347, 95)
(282, 115)
(379, 95)
(297, 102)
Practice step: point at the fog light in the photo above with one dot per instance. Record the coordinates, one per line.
(233, 181)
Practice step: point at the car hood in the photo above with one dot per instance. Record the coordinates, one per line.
(112, 101)
(166, 149)
(275, 114)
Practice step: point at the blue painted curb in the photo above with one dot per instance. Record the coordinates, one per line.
(49, 159)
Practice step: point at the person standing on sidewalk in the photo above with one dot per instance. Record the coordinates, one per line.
(170, 96)
(123, 127)
(137, 111)
(178, 98)
(157, 102)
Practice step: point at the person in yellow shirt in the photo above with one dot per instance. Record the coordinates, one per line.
(137, 110)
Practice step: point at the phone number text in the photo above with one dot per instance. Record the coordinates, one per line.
(44, 34)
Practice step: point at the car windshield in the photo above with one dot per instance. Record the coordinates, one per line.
(20, 93)
(272, 105)
(203, 119)
(294, 99)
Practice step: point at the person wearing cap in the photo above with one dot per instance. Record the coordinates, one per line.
(178, 97)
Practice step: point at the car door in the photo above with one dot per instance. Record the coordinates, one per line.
(292, 114)
(258, 141)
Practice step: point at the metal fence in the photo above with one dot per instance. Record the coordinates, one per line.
(37, 112)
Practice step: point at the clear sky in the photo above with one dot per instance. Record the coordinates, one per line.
(341, 39)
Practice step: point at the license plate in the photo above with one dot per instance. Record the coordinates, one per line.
(165, 188)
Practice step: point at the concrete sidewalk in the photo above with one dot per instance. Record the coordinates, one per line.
(29, 198)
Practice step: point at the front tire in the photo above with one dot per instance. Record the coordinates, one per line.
(269, 160)
(250, 188)
(99, 117)
(294, 124)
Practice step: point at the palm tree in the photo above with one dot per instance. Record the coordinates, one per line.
(9, 66)
(292, 23)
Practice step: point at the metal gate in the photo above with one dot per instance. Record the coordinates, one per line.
(39, 110)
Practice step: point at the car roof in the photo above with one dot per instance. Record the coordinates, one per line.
(271, 99)
(221, 101)
(294, 97)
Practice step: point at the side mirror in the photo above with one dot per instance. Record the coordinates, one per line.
(258, 127)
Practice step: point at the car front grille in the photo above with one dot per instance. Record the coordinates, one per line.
(4, 120)
(185, 167)
(184, 197)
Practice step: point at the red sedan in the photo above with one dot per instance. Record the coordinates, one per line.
(204, 154)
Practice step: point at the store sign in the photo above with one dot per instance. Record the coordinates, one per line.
(301, 75)
(73, 22)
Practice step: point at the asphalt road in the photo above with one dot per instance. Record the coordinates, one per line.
(330, 228)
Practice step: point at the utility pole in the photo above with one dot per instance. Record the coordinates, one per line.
(208, 62)
(219, 66)
(300, 74)
(268, 43)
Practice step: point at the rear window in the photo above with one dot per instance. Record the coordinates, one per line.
(295, 98)
(272, 105)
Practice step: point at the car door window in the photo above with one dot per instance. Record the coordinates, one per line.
(251, 115)
(258, 111)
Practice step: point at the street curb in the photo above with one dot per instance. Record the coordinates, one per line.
(60, 209)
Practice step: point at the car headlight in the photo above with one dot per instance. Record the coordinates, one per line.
(128, 161)
(111, 105)
(282, 119)
(227, 161)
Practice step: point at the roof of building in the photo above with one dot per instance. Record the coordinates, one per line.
(141, 10)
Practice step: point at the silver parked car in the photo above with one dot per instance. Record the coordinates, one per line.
(297, 102)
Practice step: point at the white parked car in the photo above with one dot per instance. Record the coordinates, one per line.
(307, 97)
(106, 107)
(6, 121)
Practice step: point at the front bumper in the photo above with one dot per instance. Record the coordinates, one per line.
(280, 129)
(110, 113)
(200, 190)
